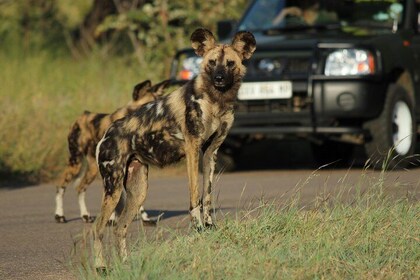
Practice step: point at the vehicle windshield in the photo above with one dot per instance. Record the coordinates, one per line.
(300, 14)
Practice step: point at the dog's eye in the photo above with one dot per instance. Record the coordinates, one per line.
(230, 63)
(212, 62)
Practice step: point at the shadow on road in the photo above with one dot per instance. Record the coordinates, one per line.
(164, 214)
(269, 154)
(14, 181)
(154, 214)
(288, 154)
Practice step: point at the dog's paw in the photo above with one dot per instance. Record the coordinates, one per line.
(150, 223)
(153, 221)
(210, 226)
(88, 219)
(199, 228)
(111, 223)
(102, 271)
(60, 219)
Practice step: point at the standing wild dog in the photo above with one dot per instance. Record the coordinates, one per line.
(84, 135)
(194, 117)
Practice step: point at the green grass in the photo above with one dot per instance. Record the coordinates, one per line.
(370, 236)
(41, 97)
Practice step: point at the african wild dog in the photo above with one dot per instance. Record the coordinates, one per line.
(84, 135)
(196, 116)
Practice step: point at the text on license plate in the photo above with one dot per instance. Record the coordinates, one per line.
(265, 90)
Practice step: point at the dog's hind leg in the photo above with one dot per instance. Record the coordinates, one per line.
(71, 176)
(109, 202)
(141, 213)
(136, 188)
(118, 209)
(89, 176)
(74, 171)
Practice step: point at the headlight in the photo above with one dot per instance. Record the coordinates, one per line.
(189, 67)
(346, 62)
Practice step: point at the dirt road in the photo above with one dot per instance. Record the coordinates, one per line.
(33, 246)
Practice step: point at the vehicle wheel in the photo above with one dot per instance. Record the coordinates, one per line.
(393, 133)
(337, 154)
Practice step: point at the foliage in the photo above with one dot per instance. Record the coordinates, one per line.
(44, 88)
(164, 26)
(154, 29)
(28, 26)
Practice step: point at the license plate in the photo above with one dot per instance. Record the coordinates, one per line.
(265, 90)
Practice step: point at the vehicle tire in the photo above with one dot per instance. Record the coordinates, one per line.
(393, 133)
(336, 154)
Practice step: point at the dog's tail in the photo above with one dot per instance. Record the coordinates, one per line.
(74, 145)
(74, 168)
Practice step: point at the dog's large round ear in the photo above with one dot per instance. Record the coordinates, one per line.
(244, 43)
(140, 89)
(160, 87)
(202, 40)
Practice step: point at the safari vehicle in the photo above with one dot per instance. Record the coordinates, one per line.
(349, 77)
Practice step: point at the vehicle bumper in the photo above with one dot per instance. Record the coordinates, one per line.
(335, 106)
(348, 98)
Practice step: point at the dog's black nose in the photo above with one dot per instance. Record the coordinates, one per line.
(219, 78)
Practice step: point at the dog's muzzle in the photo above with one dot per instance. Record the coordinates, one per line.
(219, 80)
(222, 80)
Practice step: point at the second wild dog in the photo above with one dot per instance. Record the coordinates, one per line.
(84, 135)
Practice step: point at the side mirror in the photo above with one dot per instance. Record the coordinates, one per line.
(225, 28)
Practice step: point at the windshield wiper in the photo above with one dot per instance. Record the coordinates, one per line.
(292, 28)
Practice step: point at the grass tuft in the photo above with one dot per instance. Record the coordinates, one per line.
(370, 236)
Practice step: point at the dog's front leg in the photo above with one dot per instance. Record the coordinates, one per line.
(209, 162)
(192, 156)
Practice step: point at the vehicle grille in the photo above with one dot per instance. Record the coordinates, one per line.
(279, 66)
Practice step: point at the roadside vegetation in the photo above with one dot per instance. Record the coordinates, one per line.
(59, 59)
(43, 97)
(367, 236)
